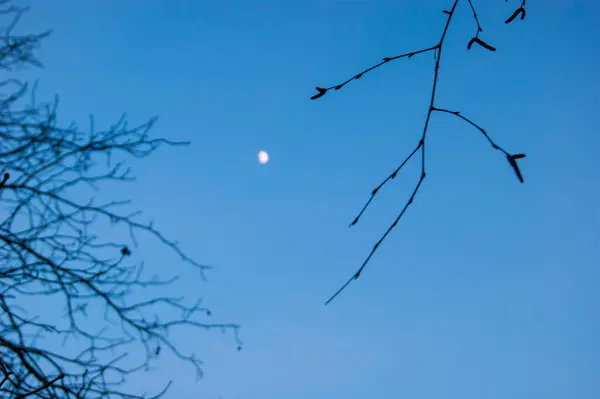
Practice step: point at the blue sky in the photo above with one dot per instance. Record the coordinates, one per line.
(486, 289)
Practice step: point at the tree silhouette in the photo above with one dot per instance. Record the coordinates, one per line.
(50, 254)
(436, 50)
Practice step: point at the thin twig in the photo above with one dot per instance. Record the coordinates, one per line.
(470, 122)
(512, 158)
(479, 28)
(322, 91)
(6, 376)
(41, 388)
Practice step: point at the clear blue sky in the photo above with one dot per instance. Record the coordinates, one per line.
(487, 289)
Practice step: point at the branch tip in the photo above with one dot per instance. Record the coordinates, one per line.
(321, 92)
(481, 43)
(520, 10)
(513, 163)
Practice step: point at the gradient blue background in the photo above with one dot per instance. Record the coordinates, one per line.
(486, 289)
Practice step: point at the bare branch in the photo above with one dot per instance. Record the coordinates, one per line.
(421, 145)
(49, 252)
(322, 91)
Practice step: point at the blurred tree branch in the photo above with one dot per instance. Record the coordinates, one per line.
(49, 253)
(420, 146)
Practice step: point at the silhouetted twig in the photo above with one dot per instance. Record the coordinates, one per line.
(479, 28)
(33, 392)
(420, 146)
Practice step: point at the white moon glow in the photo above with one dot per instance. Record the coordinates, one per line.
(263, 157)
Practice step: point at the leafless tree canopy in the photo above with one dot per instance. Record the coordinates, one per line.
(436, 50)
(49, 253)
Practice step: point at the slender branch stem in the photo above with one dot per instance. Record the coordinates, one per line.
(6, 376)
(479, 28)
(420, 146)
(476, 126)
(40, 389)
(385, 61)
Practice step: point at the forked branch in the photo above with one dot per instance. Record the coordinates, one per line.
(421, 145)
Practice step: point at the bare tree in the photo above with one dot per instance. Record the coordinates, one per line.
(436, 50)
(50, 254)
